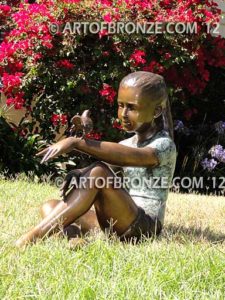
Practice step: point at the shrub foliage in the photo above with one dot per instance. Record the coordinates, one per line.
(58, 75)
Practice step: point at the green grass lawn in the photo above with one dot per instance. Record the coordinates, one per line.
(186, 262)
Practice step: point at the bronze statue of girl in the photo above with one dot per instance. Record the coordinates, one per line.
(150, 153)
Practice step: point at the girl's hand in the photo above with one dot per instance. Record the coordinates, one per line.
(63, 146)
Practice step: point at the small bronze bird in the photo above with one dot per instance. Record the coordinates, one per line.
(81, 124)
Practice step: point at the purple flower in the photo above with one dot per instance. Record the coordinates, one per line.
(178, 125)
(209, 164)
(218, 152)
(220, 127)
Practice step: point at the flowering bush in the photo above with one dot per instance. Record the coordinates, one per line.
(18, 149)
(218, 153)
(57, 76)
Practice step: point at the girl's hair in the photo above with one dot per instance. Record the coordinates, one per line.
(153, 86)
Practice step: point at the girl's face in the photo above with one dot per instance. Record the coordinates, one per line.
(135, 111)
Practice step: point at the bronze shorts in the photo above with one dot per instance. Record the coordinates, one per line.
(143, 226)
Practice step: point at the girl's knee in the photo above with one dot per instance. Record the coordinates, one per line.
(100, 170)
(48, 206)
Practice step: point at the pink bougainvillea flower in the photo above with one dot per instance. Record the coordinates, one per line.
(108, 18)
(9, 101)
(56, 119)
(7, 50)
(17, 101)
(37, 56)
(63, 119)
(47, 41)
(23, 132)
(138, 57)
(116, 124)
(167, 55)
(154, 67)
(18, 65)
(108, 92)
(11, 81)
(105, 53)
(64, 63)
(139, 4)
(71, 1)
(94, 135)
(4, 10)
(105, 2)
(117, 15)
(102, 33)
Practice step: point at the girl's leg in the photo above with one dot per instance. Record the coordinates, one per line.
(110, 204)
(85, 223)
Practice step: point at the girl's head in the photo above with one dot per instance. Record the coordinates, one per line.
(142, 98)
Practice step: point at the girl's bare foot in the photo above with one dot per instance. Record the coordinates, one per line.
(24, 240)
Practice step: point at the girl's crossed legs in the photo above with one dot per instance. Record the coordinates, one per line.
(114, 207)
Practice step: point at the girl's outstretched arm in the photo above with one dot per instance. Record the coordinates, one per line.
(113, 153)
(117, 154)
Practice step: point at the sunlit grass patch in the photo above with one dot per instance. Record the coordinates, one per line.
(186, 262)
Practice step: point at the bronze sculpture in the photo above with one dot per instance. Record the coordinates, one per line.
(81, 124)
(143, 108)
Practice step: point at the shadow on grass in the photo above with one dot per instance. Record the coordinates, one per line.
(180, 233)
